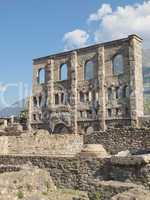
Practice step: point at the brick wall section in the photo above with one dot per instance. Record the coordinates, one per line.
(115, 140)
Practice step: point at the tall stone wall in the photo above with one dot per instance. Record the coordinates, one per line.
(41, 144)
(102, 82)
(120, 139)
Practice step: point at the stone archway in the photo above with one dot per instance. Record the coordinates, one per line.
(61, 129)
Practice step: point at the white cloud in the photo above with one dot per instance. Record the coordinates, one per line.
(110, 24)
(104, 10)
(75, 39)
(114, 24)
(2, 88)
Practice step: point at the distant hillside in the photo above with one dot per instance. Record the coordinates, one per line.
(146, 57)
(14, 109)
(146, 71)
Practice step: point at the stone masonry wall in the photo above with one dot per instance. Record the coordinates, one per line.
(41, 144)
(119, 139)
(90, 174)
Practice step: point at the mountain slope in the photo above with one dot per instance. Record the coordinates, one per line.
(14, 109)
(146, 71)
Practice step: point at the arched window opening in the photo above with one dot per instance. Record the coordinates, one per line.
(41, 76)
(118, 64)
(109, 112)
(117, 92)
(81, 114)
(96, 112)
(109, 93)
(81, 97)
(66, 99)
(63, 72)
(35, 101)
(62, 98)
(46, 99)
(89, 114)
(117, 111)
(89, 70)
(87, 96)
(56, 99)
(124, 91)
(127, 112)
(40, 101)
(34, 117)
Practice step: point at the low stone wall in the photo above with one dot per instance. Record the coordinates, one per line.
(109, 176)
(41, 144)
(120, 139)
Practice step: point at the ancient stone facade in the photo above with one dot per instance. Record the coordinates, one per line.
(88, 89)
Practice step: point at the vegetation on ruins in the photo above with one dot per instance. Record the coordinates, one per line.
(20, 195)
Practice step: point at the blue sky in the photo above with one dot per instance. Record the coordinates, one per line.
(33, 28)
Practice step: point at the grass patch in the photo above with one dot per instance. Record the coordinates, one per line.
(20, 195)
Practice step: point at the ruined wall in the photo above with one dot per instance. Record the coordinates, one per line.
(103, 82)
(120, 139)
(114, 140)
(108, 176)
(41, 144)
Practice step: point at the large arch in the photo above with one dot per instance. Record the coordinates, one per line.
(61, 128)
(63, 74)
(118, 64)
(89, 70)
(41, 76)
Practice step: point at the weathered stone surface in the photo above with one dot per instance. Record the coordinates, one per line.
(115, 140)
(95, 150)
(133, 194)
(107, 189)
(79, 173)
(80, 101)
(34, 184)
(130, 160)
(42, 143)
(41, 133)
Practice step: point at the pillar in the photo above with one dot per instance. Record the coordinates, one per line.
(50, 82)
(74, 95)
(136, 79)
(101, 81)
(50, 88)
